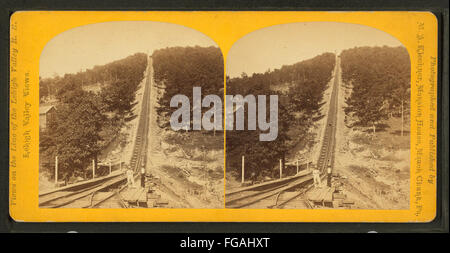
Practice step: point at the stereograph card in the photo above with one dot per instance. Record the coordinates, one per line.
(220, 116)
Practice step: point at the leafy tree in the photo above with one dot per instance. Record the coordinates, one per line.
(380, 82)
(118, 97)
(83, 125)
(74, 135)
(300, 88)
(179, 69)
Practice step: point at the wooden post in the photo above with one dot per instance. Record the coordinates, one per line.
(297, 166)
(56, 171)
(93, 168)
(109, 167)
(281, 168)
(243, 169)
(329, 176)
(402, 117)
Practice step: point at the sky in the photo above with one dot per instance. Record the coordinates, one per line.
(84, 47)
(285, 44)
(268, 48)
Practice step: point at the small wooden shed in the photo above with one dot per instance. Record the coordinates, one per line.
(46, 114)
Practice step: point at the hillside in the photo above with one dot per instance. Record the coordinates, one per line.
(93, 110)
(188, 163)
(301, 88)
(373, 140)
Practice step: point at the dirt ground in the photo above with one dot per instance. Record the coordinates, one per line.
(44, 182)
(375, 168)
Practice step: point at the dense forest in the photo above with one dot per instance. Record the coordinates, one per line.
(300, 88)
(87, 121)
(179, 69)
(379, 78)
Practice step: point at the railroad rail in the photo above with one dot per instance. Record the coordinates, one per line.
(77, 195)
(250, 196)
(272, 191)
(326, 157)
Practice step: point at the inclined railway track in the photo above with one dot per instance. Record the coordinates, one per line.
(82, 195)
(326, 157)
(272, 192)
(250, 197)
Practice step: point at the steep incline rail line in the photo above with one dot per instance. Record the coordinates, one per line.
(247, 196)
(71, 194)
(326, 157)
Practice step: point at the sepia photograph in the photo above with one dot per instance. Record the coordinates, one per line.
(107, 130)
(341, 127)
(227, 117)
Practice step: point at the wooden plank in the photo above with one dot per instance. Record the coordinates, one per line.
(129, 194)
(314, 195)
(153, 196)
(339, 196)
(135, 196)
(126, 194)
(336, 203)
(322, 194)
(143, 197)
(151, 203)
(328, 197)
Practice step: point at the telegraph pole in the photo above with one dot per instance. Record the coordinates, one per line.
(56, 171)
(243, 169)
(281, 168)
(93, 168)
